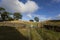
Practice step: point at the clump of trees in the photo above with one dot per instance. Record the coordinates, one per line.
(17, 16)
(4, 15)
(31, 20)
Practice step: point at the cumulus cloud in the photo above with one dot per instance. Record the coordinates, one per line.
(18, 6)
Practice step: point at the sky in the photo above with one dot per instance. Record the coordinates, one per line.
(44, 9)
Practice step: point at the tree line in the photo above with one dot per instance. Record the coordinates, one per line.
(6, 16)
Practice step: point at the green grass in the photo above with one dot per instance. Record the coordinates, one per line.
(35, 35)
(48, 34)
(11, 33)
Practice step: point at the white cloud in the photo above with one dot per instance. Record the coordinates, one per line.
(58, 16)
(18, 6)
(29, 15)
(44, 17)
(56, 0)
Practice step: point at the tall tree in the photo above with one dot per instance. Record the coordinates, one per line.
(1, 10)
(17, 16)
(36, 19)
(5, 15)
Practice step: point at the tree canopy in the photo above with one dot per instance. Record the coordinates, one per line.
(17, 16)
(36, 19)
(6, 15)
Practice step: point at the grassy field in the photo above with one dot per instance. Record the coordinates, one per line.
(48, 34)
(28, 32)
(11, 33)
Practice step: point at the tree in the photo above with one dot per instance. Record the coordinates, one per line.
(36, 19)
(31, 20)
(1, 10)
(17, 16)
(5, 15)
(10, 19)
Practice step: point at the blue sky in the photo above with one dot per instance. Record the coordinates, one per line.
(48, 9)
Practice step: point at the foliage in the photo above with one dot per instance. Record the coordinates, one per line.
(36, 19)
(17, 16)
(31, 20)
(5, 15)
(2, 9)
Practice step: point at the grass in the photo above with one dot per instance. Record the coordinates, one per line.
(35, 35)
(17, 33)
(11, 33)
(48, 34)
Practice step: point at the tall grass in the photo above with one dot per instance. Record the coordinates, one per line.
(48, 34)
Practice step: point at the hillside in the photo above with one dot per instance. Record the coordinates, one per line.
(53, 22)
(22, 30)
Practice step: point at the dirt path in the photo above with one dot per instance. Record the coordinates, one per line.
(35, 35)
(31, 34)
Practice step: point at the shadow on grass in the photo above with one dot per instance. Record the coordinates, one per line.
(54, 28)
(10, 33)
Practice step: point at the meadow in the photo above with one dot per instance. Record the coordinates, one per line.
(22, 30)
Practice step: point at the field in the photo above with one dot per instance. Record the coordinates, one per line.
(48, 34)
(26, 32)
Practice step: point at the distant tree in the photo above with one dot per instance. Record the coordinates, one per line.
(5, 15)
(10, 19)
(17, 16)
(2, 9)
(2, 13)
(31, 20)
(36, 19)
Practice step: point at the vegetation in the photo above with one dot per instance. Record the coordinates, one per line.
(1, 9)
(36, 19)
(47, 32)
(11, 33)
(17, 16)
(6, 15)
(31, 20)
